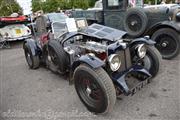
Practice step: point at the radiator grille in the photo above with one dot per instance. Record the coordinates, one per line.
(125, 59)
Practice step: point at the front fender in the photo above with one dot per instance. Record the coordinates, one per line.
(165, 24)
(121, 80)
(92, 61)
(32, 44)
(142, 40)
(173, 24)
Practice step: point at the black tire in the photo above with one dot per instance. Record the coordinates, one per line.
(135, 22)
(152, 60)
(96, 102)
(56, 58)
(167, 42)
(32, 60)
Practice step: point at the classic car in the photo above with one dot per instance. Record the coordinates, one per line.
(160, 22)
(98, 59)
(13, 28)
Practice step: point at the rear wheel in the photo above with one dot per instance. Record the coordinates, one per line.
(32, 60)
(167, 42)
(95, 89)
(56, 58)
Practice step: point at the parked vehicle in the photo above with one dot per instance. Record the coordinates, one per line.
(160, 22)
(98, 60)
(13, 28)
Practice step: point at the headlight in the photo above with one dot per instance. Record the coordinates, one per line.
(141, 50)
(178, 16)
(114, 62)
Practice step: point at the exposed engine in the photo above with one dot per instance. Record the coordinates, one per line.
(79, 47)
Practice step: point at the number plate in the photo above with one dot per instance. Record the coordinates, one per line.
(139, 86)
(18, 31)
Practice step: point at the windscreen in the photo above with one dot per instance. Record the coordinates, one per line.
(58, 29)
(57, 17)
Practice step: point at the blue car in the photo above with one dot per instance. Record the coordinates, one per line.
(101, 61)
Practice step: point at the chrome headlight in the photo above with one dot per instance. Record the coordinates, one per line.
(114, 62)
(178, 17)
(141, 50)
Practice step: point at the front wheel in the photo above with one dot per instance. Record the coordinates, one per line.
(95, 89)
(152, 60)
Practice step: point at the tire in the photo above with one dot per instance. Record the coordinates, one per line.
(32, 60)
(167, 42)
(152, 60)
(56, 58)
(135, 22)
(102, 96)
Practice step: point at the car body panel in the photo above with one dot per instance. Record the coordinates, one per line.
(33, 45)
(121, 80)
(92, 61)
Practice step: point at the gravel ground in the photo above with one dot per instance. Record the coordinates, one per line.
(42, 95)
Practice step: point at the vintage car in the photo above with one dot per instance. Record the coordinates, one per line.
(13, 28)
(160, 22)
(98, 59)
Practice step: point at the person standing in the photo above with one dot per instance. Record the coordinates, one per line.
(163, 2)
(41, 22)
(178, 2)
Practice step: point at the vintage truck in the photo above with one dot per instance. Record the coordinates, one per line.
(160, 22)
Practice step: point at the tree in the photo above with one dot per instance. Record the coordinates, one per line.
(158, 1)
(54, 5)
(92, 2)
(7, 7)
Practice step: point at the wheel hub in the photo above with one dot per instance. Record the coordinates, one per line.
(88, 90)
(133, 23)
(49, 58)
(164, 44)
(28, 55)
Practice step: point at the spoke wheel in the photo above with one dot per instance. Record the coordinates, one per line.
(95, 89)
(135, 22)
(167, 42)
(91, 90)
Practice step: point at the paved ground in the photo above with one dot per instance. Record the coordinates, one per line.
(41, 95)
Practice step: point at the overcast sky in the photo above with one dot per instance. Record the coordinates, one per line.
(26, 5)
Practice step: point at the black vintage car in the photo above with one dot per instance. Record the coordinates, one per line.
(160, 22)
(100, 61)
